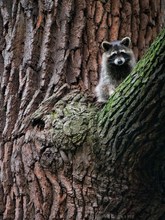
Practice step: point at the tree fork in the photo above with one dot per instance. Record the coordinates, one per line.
(118, 152)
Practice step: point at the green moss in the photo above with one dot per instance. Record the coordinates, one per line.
(72, 122)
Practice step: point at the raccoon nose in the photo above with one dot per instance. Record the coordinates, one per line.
(120, 62)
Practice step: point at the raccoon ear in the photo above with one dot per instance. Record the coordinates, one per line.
(106, 45)
(126, 41)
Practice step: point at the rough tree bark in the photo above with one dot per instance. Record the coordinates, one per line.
(60, 156)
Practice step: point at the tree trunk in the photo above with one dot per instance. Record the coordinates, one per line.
(61, 157)
(131, 155)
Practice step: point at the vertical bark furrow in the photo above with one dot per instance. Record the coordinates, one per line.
(28, 92)
(29, 74)
(57, 195)
(17, 38)
(8, 76)
(90, 63)
(9, 212)
(77, 22)
(2, 44)
(45, 189)
(36, 196)
(2, 112)
(19, 208)
(125, 19)
(76, 28)
(102, 29)
(45, 60)
(7, 182)
(17, 168)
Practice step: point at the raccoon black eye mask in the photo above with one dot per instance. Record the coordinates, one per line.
(119, 58)
(117, 62)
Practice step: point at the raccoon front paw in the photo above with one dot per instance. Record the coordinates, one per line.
(101, 100)
(111, 91)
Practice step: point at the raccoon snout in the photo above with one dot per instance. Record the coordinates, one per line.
(119, 61)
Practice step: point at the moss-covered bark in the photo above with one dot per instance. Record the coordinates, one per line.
(131, 128)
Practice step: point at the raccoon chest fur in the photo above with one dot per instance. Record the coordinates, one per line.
(118, 73)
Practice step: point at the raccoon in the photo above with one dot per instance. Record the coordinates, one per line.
(118, 61)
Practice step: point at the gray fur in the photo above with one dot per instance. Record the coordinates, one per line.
(118, 61)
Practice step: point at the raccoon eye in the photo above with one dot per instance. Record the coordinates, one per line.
(113, 56)
(125, 55)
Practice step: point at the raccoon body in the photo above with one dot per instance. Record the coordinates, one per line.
(118, 61)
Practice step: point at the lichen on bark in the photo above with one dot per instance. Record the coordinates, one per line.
(72, 122)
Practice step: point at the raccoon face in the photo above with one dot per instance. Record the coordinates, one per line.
(118, 52)
(118, 57)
